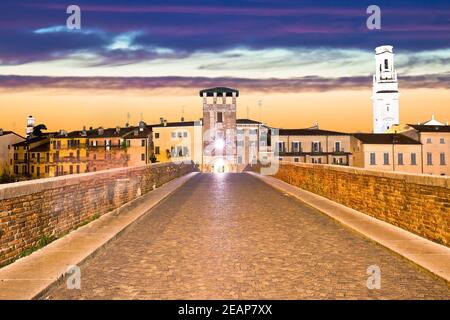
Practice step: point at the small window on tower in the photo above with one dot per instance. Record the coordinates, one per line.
(386, 64)
(219, 117)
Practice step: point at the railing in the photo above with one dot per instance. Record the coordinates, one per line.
(69, 159)
(338, 150)
(88, 146)
(68, 147)
(110, 146)
(297, 151)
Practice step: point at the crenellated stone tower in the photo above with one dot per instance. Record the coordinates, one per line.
(219, 129)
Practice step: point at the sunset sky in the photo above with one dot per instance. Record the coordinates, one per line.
(306, 61)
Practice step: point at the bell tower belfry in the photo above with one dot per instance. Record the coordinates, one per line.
(219, 129)
(385, 91)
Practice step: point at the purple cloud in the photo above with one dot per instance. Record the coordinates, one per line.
(302, 84)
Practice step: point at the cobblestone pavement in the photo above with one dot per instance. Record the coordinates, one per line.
(230, 236)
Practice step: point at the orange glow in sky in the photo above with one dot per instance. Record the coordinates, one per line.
(342, 110)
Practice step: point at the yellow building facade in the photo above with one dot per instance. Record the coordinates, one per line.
(7, 140)
(67, 154)
(178, 141)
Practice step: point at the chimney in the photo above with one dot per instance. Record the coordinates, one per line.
(117, 129)
(161, 120)
(83, 132)
(101, 131)
(141, 125)
(182, 119)
(165, 123)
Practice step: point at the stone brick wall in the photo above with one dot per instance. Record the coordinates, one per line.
(417, 203)
(51, 207)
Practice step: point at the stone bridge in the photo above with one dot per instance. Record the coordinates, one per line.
(167, 232)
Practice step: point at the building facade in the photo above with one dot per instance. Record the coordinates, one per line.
(29, 157)
(387, 152)
(313, 145)
(178, 141)
(435, 140)
(385, 91)
(7, 140)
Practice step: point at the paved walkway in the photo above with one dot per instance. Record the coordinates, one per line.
(231, 236)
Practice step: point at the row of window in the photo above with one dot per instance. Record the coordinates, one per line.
(94, 143)
(250, 131)
(179, 134)
(240, 143)
(319, 160)
(316, 146)
(177, 151)
(37, 170)
(413, 159)
(441, 141)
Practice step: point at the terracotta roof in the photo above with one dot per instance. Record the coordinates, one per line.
(94, 133)
(29, 141)
(176, 124)
(310, 132)
(41, 148)
(430, 128)
(136, 133)
(247, 121)
(4, 133)
(384, 138)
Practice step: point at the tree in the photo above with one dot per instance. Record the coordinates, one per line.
(6, 177)
(37, 130)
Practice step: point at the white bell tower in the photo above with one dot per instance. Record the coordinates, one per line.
(385, 91)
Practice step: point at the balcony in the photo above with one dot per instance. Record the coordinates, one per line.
(69, 159)
(107, 147)
(317, 150)
(70, 147)
(339, 150)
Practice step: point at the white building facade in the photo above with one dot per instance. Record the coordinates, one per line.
(385, 91)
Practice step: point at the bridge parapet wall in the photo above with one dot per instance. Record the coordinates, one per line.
(39, 210)
(416, 203)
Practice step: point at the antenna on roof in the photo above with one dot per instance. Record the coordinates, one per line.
(182, 113)
(260, 113)
(127, 124)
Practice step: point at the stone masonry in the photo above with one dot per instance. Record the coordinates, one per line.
(49, 208)
(417, 203)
